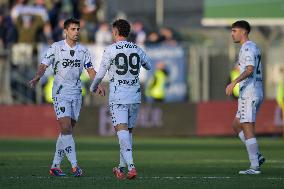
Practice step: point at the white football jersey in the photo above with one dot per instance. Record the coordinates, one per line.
(250, 55)
(67, 64)
(123, 61)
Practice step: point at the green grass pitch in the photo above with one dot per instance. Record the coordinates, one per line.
(161, 163)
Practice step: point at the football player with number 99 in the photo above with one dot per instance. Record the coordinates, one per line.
(123, 61)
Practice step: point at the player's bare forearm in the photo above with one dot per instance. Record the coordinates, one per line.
(38, 75)
(92, 73)
(40, 71)
(245, 74)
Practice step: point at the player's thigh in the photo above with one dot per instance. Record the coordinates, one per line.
(248, 108)
(119, 114)
(133, 114)
(65, 125)
(62, 107)
(75, 109)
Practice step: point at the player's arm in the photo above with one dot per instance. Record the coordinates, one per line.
(47, 61)
(98, 78)
(105, 65)
(249, 62)
(145, 61)
(92, 74)
(247, 73)
(38, 75)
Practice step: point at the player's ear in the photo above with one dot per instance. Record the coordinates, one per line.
(244, 31)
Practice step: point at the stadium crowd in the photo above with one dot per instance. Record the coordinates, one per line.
(39, 21)
(28, 25)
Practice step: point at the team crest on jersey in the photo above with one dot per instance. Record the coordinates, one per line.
(72, 52)
(62, 109)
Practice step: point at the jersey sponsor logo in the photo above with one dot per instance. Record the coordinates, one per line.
(71, 63)
(128, 82)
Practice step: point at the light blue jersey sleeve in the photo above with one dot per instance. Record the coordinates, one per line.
(249, 56)
(104, 67)
(49, 56)
(88, 62)
(145, 60)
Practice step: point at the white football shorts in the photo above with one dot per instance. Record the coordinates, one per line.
(247, 108)
(124, 114)
(67, 108)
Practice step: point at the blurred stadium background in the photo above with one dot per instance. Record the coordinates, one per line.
(191, 38)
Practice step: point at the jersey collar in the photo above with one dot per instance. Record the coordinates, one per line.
(67, 47)
(246, 43)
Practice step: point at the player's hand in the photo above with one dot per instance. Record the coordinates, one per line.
(101, 90)
(229, 88)
(33, 82)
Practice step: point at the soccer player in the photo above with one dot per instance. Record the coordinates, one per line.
(68, 58)
(251, 93)
(123, 61)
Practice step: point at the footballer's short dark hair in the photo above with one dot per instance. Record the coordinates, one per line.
(122, 26)
(71, 21)
(242, 24)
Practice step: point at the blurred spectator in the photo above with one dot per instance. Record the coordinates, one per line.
(31, 21)
(153, 38)
(58, 31)
(84, 35)
(59, 8)
(5, 91)
(17, 8)
(156, 87)
(40, 9)
(4, 4)
(103, 35)
(8, 33)
(88, 10)
(47, 89)
(167, 36)
(27, 27)
(138, 35)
